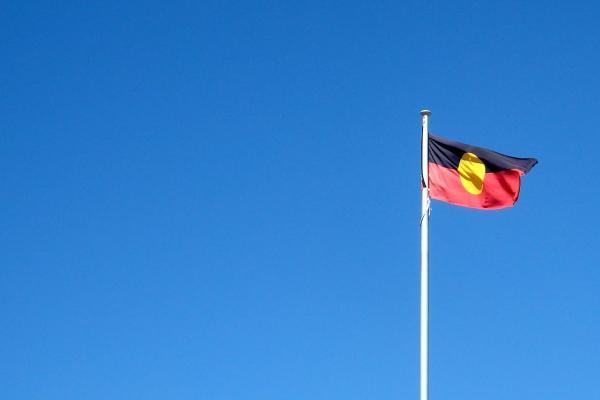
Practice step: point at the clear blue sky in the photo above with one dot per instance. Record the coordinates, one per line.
(220, 200)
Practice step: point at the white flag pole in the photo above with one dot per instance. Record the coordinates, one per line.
(424, 378)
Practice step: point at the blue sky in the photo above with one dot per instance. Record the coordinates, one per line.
(220, 200)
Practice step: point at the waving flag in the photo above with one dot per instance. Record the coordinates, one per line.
(472, 176)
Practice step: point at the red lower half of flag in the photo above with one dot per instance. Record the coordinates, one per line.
(496, 190)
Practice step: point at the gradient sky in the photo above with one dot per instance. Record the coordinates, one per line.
(220, 200)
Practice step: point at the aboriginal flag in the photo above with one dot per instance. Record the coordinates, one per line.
(474, 177)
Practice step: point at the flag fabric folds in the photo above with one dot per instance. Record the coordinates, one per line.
(472, 176)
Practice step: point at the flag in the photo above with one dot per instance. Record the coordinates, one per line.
(472, 176)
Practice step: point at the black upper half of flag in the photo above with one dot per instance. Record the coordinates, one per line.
(448, 153)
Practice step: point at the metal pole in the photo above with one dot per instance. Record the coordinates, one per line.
(424, 375)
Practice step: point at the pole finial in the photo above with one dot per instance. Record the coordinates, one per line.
(425, 112)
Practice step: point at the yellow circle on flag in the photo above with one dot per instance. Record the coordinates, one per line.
(472, 173)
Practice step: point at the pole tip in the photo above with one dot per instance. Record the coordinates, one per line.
(425, 112)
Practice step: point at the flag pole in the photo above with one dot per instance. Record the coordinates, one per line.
(424, 341)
